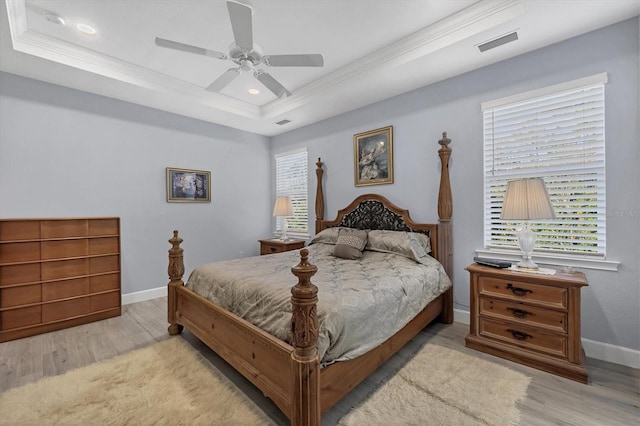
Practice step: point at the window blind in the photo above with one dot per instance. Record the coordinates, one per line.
(291, 180)
(557, 134)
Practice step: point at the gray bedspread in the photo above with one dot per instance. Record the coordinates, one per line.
(361, 302)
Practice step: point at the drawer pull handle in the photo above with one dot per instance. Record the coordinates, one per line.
(518, 335)
(518, 291)
(518, 313)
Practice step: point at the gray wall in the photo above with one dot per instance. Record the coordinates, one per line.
(65, 153)
(610, 305)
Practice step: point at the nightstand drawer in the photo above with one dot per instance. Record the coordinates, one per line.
(523, 291)
(528, 338)
(524, 314)
(279, 246)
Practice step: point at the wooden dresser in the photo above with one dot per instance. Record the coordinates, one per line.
(279, 246)
(57, 273)
(528, 318)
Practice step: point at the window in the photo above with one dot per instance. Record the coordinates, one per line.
(556, 133)
(291, 180)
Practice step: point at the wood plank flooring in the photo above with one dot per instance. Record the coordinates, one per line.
(612, 396)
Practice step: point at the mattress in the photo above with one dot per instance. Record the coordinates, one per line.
(361, 303)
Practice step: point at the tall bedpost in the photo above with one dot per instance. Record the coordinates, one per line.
(445, 211)
(319, 195)
(176, 271)
(304, 339)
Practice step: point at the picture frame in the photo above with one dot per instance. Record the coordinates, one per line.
(188, 186)
(373, 157)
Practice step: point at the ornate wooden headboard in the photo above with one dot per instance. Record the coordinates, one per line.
(373, 211)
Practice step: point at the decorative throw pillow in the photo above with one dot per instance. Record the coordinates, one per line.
(350, 243)
(326, 236)
(407, 244)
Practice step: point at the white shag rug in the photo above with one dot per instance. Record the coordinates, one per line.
(441, 386)
(170, 383)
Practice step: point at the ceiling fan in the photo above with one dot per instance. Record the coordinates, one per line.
(246, 54)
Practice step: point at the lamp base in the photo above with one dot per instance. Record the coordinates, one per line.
(283, 236)
(526, 241)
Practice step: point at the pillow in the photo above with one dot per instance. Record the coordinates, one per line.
(424, 239)
(407, 244)
(326, 236)
(350, 243)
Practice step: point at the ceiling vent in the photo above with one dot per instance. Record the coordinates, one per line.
(498, 41)
(283, 122)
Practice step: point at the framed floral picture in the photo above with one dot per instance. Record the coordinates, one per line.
(373, 157)
(188, 186)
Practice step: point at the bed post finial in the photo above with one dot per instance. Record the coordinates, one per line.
(304, 339)
(319, 195)
(176, 271)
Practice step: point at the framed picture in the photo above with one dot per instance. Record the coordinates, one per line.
(188, 186)
(373, 157)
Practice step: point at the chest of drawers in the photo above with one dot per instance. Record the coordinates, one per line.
(528, 318)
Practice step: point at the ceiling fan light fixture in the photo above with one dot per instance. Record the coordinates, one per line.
(246, 54)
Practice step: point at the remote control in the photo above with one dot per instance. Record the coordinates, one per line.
(494, 263)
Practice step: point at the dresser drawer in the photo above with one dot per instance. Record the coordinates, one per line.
(525, 337)
(524, 314)
(520, 291)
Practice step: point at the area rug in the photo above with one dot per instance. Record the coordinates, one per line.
(170, 383)
(167, 383)
(441, 386)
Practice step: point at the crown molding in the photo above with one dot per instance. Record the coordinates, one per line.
(472, 20)
(39, 45)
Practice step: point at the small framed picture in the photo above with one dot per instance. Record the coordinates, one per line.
(373, 157)
(188, 186)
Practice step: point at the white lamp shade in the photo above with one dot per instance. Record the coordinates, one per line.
(283, 206)
(526, 199)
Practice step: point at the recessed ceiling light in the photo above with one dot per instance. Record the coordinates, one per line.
(86, 29)
(254, 91)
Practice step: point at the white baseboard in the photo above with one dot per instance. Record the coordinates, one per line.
(593, 349)
(141, 296)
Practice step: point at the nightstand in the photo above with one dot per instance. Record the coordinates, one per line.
(279, 246)
(528, 318)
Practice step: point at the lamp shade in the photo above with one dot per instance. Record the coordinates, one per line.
(283, 206)
(526, 199)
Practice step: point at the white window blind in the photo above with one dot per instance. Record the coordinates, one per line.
(291, 180)
(558, 134)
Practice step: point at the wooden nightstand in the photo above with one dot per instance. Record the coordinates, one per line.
(279, 246)
(528, 318)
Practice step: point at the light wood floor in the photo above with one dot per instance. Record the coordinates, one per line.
(612, 396)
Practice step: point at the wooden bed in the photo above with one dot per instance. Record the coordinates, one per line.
(290, 375)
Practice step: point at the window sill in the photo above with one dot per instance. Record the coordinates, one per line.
(552, 259)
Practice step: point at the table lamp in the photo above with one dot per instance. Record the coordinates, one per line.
(526, 199)
(283, 208)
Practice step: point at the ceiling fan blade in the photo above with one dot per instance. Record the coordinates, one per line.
(188, 48)
(314, 60)
(272, 84)
(241, 23)
(222, 81)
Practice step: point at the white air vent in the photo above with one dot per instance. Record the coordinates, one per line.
(283, 122)
(498, 41)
